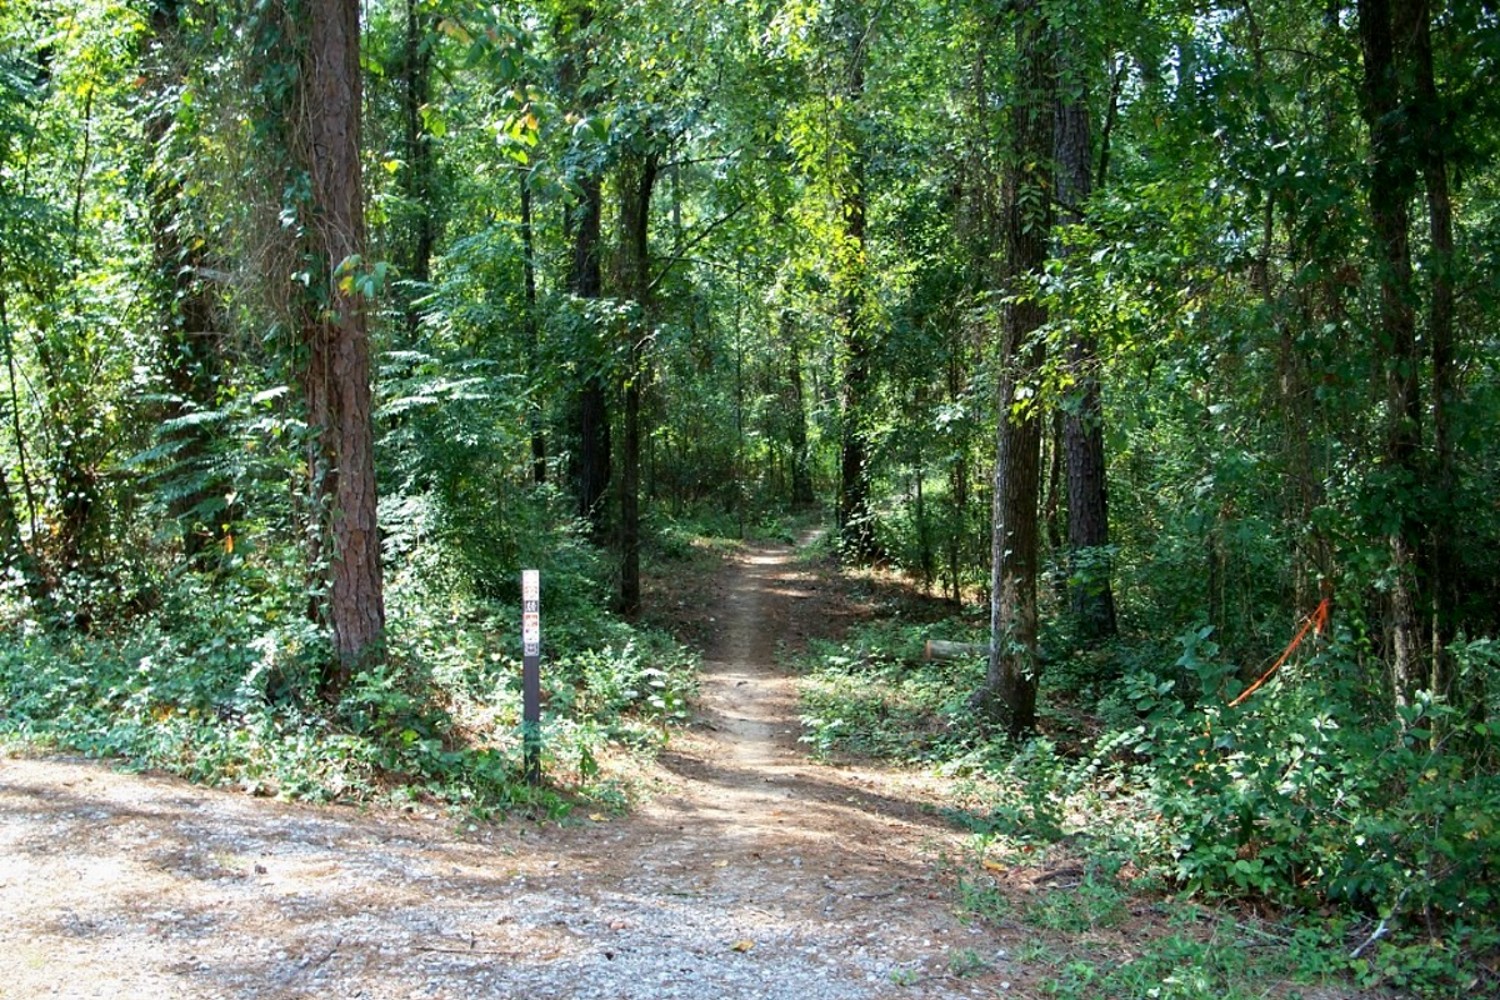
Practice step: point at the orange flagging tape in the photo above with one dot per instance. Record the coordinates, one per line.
(1317, 621)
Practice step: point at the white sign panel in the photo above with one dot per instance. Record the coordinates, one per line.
(531, 613)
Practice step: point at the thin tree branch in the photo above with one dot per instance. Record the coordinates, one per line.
(695, 241)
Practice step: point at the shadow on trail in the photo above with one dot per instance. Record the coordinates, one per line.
(841, 802)
(237, 897)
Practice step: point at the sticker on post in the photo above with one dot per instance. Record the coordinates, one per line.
(531, 614)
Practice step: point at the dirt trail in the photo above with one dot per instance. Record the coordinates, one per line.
(752, 873)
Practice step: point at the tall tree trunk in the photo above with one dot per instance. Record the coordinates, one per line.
(1092, 595)
(802, 484)
(17, 552)
(533, 333)
(345, 542)
(1433, 140)
(190, 354)
(1009, 692)
(1312, 555)
(591, 462)
(637, 179)
(591, 465)
(926, 557)
(417, 178)
(856, 520)
(1393, 179)
(1119, 69)
(958, 478)
(1053, 512)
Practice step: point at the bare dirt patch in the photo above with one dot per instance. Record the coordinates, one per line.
(750, 872)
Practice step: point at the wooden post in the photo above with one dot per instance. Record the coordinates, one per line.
(531, 675)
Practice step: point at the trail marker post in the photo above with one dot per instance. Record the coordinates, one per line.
(531, 674)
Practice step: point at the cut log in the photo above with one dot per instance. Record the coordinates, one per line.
(938, 649)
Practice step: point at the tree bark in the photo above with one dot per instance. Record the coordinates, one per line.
(418, 175)
(637, 180)
(591, 463)
(1089, 569)
(17, 553)
(958, 479)
(802, 484)
(1009, 693)
(1392, 184)
(856, 520)
(1053, 510)
(345, 547)
(1433, 139)
(926, 555)
(592, 469)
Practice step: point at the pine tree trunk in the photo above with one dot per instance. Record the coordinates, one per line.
(636, 181)
(1092, 595)
(590, 466)
(1433, 140)
(1052, 512)
(417, 180)
(593, 467)
(958, 483)
(802, 484)
(926, 558)
(346, 545)
(1010, 683)
(855, 518)
(1392, 184)
(18, 435)
(1009, 694)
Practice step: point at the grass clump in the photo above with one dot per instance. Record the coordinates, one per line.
(867, 695)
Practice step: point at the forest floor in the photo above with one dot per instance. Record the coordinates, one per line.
(747, 870)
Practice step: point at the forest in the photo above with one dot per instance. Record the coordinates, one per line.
(1144, 339)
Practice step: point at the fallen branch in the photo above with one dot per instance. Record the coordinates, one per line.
(502, 952)
(1383, 928)
(938, 649)
(1381, 931)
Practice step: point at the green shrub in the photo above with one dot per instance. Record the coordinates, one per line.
(219, 682)
(1302, 800)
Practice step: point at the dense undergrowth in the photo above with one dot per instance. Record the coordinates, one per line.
(1366, 851)
(219, 680)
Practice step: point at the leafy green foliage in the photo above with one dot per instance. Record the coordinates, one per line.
(219, 684)
(1235, 962)
(866, 696)
(1291, 801)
